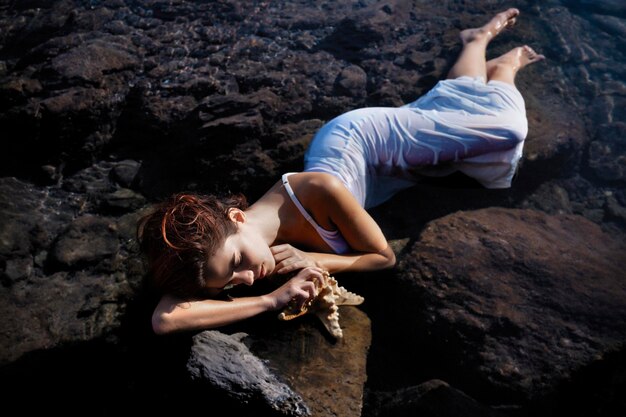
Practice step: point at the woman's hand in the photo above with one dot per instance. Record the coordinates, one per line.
(301, 288)
(289, 259)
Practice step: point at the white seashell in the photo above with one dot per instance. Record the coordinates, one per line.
(325, 305)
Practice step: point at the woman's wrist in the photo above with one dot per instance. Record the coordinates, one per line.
(268, 302)
(319, 263)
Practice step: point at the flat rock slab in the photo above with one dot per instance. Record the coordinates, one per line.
(329, 374)
(290, 368)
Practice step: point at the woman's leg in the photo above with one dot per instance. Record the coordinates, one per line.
(505, 67)
(471, 61)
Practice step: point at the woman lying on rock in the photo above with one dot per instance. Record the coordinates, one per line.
(316, 220)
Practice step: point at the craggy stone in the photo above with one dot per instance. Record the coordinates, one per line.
(43, 308)
(125, 172)
(224, 363)
(123, 201)
(87, 239)
(91, 61)
(352, 81)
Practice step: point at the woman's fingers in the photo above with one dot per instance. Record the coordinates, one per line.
(284, 255)
(308, 292)
(289, 259)
(309, 288)
(310, 273)
(299, 289)
(280, 256)
(290, 265)
(281, 249)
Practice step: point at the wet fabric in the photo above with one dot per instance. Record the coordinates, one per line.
(463, 124)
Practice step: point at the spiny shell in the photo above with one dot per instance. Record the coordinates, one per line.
(325, 305)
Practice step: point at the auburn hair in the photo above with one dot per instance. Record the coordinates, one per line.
(178, 236)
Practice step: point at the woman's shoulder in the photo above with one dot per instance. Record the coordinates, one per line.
(323, 194)
(318, 183)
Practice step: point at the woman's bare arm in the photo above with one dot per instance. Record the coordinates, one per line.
(175, 315)
(290, 259)
(355, 262)
(326, 194)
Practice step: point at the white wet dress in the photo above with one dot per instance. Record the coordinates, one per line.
(462, 124)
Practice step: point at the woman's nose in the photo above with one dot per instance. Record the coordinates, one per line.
(244, 277)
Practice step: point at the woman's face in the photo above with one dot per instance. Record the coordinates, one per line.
(243, 258)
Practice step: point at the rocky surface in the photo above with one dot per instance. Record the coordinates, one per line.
(504, 302)
(329, 373)
(529, 299)
(223, 363)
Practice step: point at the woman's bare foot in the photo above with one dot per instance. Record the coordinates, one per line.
(505, 67)
(492, 28)
(516, 58)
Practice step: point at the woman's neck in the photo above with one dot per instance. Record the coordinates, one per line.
(264, 219)
(274, 215)
(267, 214)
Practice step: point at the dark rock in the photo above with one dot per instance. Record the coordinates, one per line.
(28, 225)
(17, 269)
(551, 198)
(607, 153)
(352, 81)
(91, 61)
(605, 7)
(615, 209)
(321, 370)
(88, 239)
(434, 398)
(224, 363)
(528, 300)
(349, 39)
(60, 307)
(124, 172)
(17, 90)
(51, 174)
(123, 201)
(93, 181)
(238, 114)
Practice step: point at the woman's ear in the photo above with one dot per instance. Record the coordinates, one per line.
(236, 215)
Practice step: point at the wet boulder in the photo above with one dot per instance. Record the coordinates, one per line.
(516, 301)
